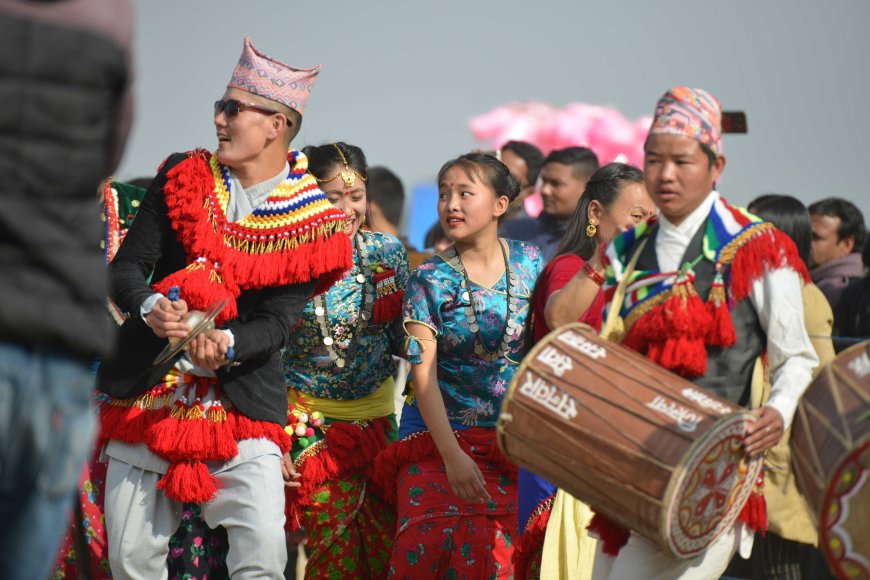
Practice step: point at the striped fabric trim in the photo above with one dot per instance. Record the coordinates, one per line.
(727, 228)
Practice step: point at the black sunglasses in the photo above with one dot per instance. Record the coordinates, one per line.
(233, 107)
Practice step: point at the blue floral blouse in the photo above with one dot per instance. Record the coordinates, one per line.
(472, 388)
(368, 354)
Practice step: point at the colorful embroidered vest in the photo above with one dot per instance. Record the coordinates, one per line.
(729, 369)
(699, 315)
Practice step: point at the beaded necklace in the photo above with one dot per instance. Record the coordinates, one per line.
(511, 280)
(366, 304)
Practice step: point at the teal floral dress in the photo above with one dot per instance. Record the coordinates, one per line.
(440, 535)
(339, 366)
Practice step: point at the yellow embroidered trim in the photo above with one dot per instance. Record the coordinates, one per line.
(544, 506)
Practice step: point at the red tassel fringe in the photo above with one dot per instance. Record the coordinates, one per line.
(245, 428)
(224, 445)
(189, 481)
(163, 435)
(187, 436)
(201, 286)
(191, 182)
(754, 513)
(388, 307)
(721, 332)
(347, 448)
(672, 333)
(531, 541)
(127, 424)
(770, 249)
(613, 536)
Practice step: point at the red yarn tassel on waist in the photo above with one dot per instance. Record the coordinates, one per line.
(754, 513)
(613, 536)
(189, 481)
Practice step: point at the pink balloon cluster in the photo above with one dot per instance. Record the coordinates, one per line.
(603, 129)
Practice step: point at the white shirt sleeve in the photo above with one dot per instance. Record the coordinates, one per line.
(791, 358)
(148, 305)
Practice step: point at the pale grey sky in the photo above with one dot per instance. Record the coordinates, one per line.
(402, 78)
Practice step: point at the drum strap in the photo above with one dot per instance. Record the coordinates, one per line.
(609, 328)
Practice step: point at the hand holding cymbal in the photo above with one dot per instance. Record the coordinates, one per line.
(197, 323)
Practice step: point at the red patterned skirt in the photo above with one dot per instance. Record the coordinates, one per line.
(440, 535)
(348, 524)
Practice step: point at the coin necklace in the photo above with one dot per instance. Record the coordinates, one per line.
(366, 305)
(480, 350)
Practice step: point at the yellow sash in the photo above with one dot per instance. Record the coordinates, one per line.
(569, 551)
(378, 404)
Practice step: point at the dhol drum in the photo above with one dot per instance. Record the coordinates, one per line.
(646, 448)
(830, 449)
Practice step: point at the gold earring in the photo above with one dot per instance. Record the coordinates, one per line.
(591, 230)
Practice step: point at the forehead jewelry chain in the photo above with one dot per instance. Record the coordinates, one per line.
(511, 282)
(348, 175)
(364, 277)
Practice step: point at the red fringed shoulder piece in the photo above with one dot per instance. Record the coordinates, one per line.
(759, 249)
(674, 328)
(295, 236)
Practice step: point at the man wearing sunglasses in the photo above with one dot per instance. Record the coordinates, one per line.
(244, 226)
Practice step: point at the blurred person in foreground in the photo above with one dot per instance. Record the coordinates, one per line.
(65, 72)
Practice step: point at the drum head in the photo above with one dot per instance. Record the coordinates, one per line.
(831, 451)
(705, 498)
(844, 532)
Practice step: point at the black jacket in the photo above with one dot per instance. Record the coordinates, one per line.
(256, 387)
(63, 86)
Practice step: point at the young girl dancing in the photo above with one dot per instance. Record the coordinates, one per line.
(464, 314)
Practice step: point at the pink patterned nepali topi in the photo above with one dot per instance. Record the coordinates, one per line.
(262, 75)
(694, 113)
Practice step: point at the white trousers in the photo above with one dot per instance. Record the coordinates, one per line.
(140, 519)
(640, 559)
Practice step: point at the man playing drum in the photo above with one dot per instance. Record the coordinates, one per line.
(713, 288)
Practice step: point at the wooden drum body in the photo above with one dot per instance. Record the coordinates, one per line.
(830, 448)
(646, 448)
